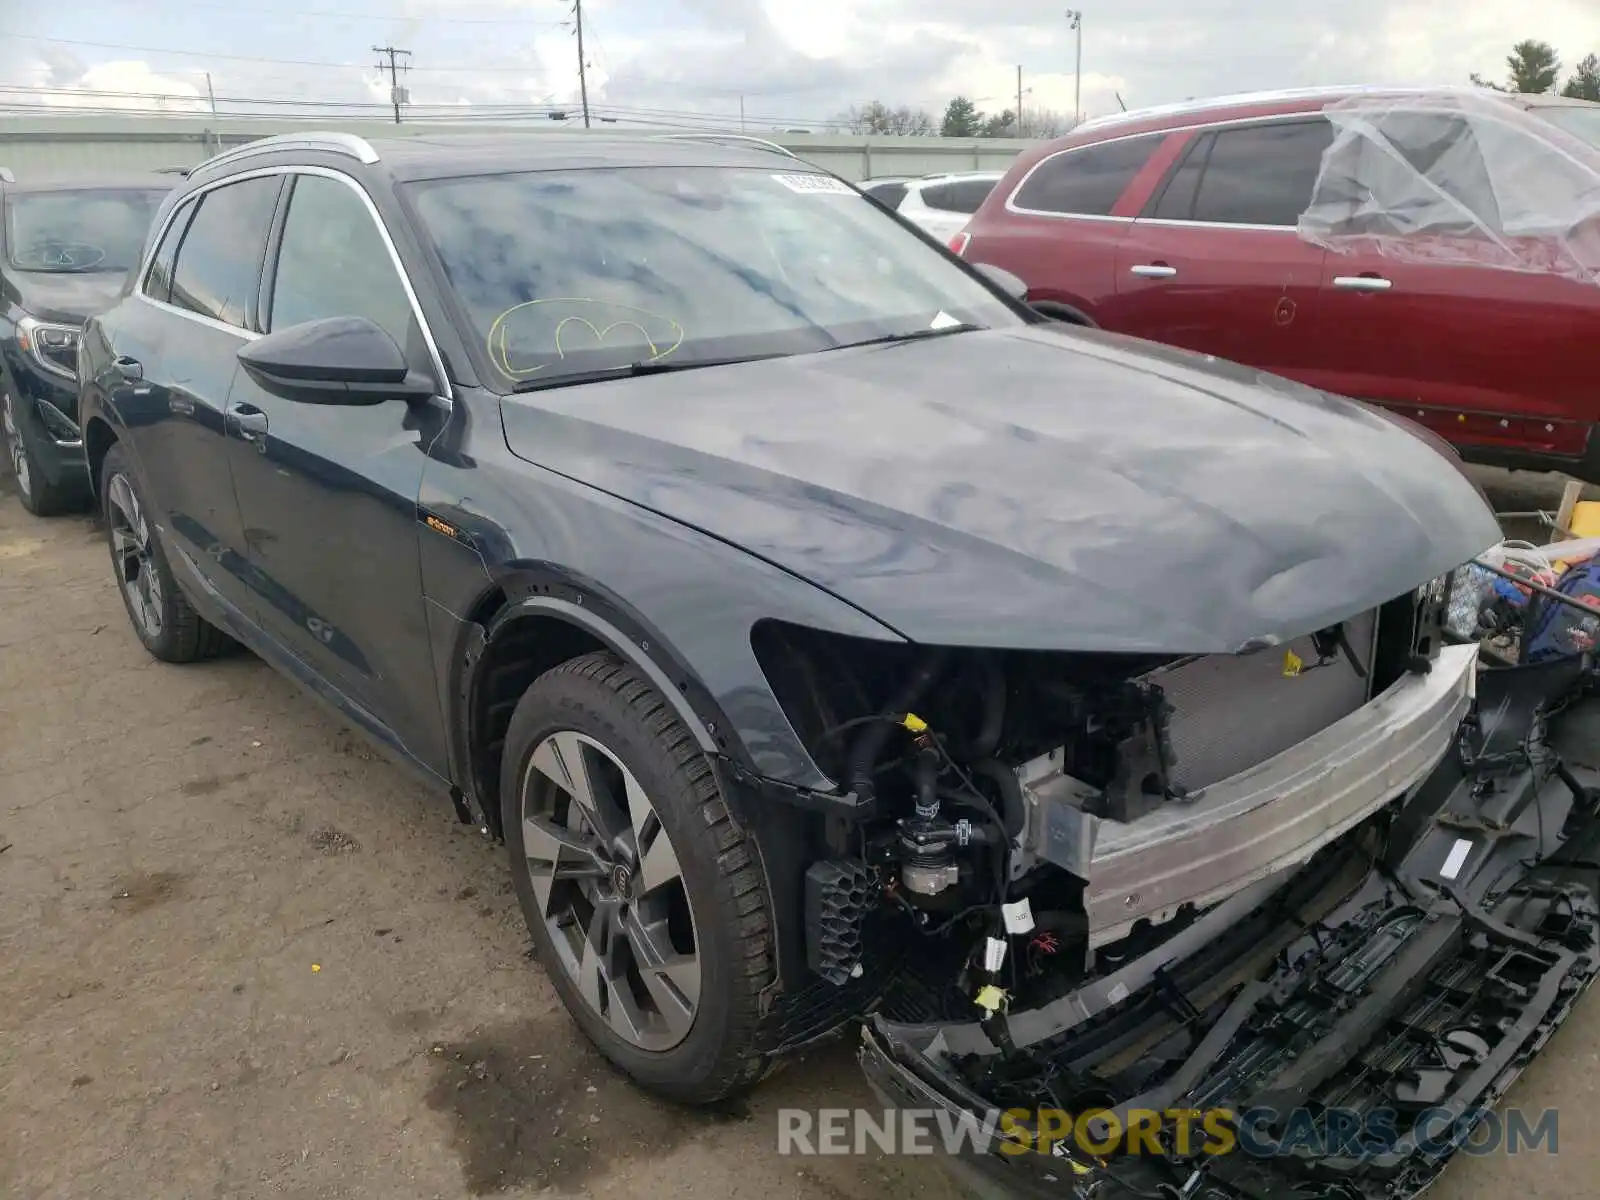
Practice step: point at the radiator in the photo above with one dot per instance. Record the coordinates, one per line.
(1232, 711)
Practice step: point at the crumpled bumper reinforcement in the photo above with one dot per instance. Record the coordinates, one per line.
(1282, 811)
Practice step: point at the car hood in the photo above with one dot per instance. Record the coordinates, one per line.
(1038, 487)
(70, 297)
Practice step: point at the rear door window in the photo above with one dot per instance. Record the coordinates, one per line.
(219, 263)
(158, 280)
(958, 196)
(1248, 175)
(1087, 181)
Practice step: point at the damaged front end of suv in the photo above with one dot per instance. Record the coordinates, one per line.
(1322, 901)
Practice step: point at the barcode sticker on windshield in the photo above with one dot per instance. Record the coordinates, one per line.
(816, 185)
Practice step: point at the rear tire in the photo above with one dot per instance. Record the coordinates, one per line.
(38, 495)
(624, 855)
(161, 614)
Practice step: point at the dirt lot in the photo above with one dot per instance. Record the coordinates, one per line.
(243, 956)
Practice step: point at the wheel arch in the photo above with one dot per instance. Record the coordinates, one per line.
(98, 438)
(1058, 310)
(519, 630)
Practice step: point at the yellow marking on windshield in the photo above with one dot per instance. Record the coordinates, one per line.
(500, 352)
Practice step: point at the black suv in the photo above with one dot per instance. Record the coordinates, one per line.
(66, 246)
(804, 613)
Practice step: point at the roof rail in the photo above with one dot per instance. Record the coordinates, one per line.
(1237, 99)
(337, 143)
(6, 176)
(730, 137)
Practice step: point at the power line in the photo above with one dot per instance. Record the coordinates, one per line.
(466, 68)
(510, 108)
(370, 16)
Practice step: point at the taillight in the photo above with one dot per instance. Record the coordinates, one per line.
(958, 244)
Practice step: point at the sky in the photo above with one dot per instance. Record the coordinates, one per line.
(794, 63)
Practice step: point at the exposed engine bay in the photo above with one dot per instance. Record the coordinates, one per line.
(1063, 808)
(1186, 885)
(1385, 995)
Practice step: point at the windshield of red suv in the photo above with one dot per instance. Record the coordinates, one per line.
(568, 272)
(1583, 122)
(82, 229)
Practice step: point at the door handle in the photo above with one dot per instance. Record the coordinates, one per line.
(251, 423)
(1362, 283)
(1154, 271)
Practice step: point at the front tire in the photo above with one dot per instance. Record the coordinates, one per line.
(162, 616)
(646, 904)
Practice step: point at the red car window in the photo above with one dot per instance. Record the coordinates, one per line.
(1086, 180)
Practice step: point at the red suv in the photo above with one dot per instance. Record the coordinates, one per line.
(1437, 253)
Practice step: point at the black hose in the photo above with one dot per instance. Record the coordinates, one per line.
(1012, 808)
(993, 692)
(864, 753)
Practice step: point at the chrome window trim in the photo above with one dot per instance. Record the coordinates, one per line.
(1012, 206)
(1246, 227)
(435, 359)
(248, 335)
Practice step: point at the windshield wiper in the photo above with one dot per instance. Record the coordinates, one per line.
(649, 366)
(915, 335)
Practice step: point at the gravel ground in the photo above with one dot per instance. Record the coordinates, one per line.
(244, 956)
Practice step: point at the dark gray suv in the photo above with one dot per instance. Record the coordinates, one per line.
(822, 631)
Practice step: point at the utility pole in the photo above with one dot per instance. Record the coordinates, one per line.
(1020, 132)
(396, 92)
(217, 134)
(1075, 23)
(583, 78)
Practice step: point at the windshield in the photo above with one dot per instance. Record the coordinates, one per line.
(1581, 121)
(81, 230)
(565, 273)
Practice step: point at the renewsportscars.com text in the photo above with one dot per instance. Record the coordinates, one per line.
(1185, 1132)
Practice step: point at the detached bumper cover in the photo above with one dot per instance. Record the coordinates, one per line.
(1365, 1053)
(1280, 813)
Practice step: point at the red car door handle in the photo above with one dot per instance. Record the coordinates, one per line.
(1158, 270)
(1362, 283)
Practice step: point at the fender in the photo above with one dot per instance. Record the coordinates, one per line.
(549, 593)
(636, 653)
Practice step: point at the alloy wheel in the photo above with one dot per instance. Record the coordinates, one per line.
(132, 551)
(609, 888)
(14, 447)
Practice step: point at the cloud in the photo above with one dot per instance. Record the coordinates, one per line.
(795, 62)
(68, 81)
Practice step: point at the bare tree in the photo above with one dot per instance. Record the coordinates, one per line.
(877, 117)
(1047, 122)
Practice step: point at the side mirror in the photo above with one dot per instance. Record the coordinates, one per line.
(1004, 280)
(337, 360)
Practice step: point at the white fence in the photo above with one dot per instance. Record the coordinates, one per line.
(72, 145)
